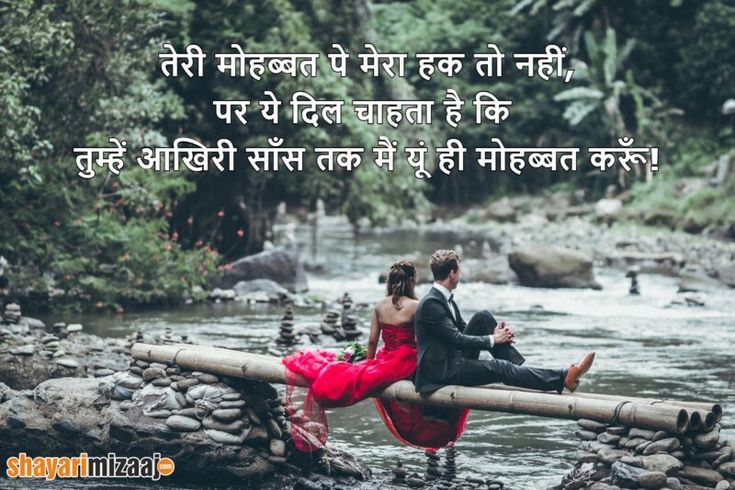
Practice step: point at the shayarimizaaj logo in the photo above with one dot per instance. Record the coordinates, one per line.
(84, 466)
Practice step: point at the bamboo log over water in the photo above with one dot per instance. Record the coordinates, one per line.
(270, 369)
(703, 415)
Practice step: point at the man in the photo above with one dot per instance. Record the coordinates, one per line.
(449, 349)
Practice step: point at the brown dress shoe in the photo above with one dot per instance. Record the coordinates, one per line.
(576, 371)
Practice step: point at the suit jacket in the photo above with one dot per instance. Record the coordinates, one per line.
(440, 342)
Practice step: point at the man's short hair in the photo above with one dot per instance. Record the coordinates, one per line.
(443, 262)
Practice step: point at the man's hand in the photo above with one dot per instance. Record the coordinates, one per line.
(503, 334)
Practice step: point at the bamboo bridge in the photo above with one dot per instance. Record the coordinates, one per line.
(674, 416)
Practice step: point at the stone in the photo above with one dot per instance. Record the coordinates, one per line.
(151, 373)
(634, 442)
(673, 483)
(74, 327)
(708, 440)
(187, 383)
(723, 485)
(618, 430)
(663, 445)
(501, 211)
(130, 381)
(224, 437)
(227, 414)
(633, 461)
(585, 435)
(280, 264)
(67, 363)
(607, 438)
(664, 463)
(99, 373)
(625, 475)
(23, 350)
(232, 403)
(703, 476)
(727, 469)
(642, 433)
(662, 434)
(231, 396)
(603, 486)
(183, 424)
(233, 427)
(652, 479)
(277, 447)
(200, 391)
(610, 456)
(257, 434)
(591, 425)
(208, 378)
(544, 265)
(161, 382)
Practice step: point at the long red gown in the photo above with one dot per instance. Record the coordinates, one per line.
(340, 384)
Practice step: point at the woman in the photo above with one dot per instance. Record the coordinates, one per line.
(339, 384)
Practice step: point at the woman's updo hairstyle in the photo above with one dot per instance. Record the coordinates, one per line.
(401, 281)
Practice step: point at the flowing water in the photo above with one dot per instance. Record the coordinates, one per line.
(644, 348)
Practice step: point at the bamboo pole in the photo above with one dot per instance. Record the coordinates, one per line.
(270, 369)
(708, 413)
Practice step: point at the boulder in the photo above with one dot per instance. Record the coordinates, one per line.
(664, 463)
(281, 265)
(501, 211)
(267, 289)
(608, 210)
(549, 266)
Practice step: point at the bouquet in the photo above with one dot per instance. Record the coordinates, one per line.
(353, 353)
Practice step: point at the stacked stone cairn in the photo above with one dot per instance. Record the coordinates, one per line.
(11, 314)
(329, 323)
(286, 330)
(349, 321)
(228, 411)
(432, 465)
(613, 457)
(450, 463)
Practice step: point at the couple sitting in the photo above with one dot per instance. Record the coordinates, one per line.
(425, 340)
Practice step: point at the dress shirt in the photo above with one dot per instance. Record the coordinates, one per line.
(448, 295)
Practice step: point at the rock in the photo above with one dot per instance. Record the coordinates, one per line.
(277, 447)
(727, 469)
(183, 424)
(585, 435)
(130, 381)
(549, 266)
(187, 383)
(151, 373)
(634, 442)
(701, 475)
(280, 265)
(224, 437)
(708, 440)
(200, 391)
(591, 425)
(662, 434)
(664, 445)
(652, 479)
(642, 433)
(208, 378)
(625, 475)
(23, 350)
(603, 486)
(74, 327)
(67, 363)
(233, 427)
(723, 485)
(664, 463)
(232, 404)
(673, 483)
(227, 414)
(618, 430)
(695, 280)
(609, 456)
(607, 438)
(632, 461)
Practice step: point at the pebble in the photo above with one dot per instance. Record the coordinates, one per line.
(157, 414)
(277, 447)
(662, 434)
(232, 404)
(727, 469)
(231, 396)
(130, 381)
(252, 416)
(673, 483)
(187, 412)
(227, 414)
(610, 456)
(617, 430)
(161, 382)
(180, 399)
(591, 425)
(58, 353)
(151, 373)
(663, 445)
(208, 378)
(661, 462)
(187, 383)
(67, 363)
(103, 372)
(585, 435)
(136, 370)
(257, 434)
(607, 438)
(274, 429)
(74, 327)
(723, 485)
(182, 423)
(708, 440)
(703, 476)
(233, 427)
(203, 391)
(23, 350)
(642, 433)
(224, 437)
(652, 479)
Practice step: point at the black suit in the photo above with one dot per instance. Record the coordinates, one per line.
(448, 351)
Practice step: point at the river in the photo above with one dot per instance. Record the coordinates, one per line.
(644, 347)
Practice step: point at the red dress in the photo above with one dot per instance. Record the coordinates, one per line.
(339, 384)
